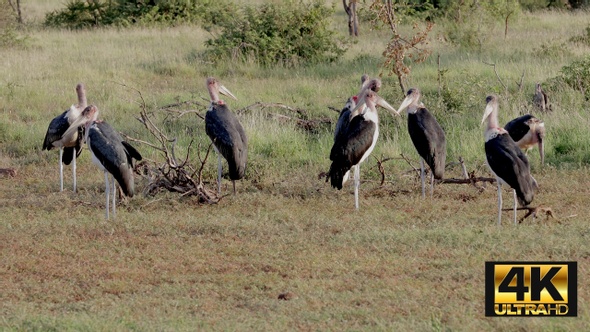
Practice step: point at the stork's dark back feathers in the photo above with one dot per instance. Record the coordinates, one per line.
(429, 139)
(229, 137)
(518, 127)
(350, 148)
(114, 154)
(57, 127)
(344, 119)
(509, 163)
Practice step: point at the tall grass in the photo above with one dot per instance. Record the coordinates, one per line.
(166, 263)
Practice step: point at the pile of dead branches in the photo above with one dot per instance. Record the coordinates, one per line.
(172, 174)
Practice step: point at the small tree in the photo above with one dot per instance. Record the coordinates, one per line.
(503, 10)
(16, 8)
(400, 47)
(10, 21)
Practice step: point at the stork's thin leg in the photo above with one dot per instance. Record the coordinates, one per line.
(74, 170)
(514, 191)
(357, 183)
(542, 152)
(431, 183)
(422, 177)
(114, 187)
(106, 181)
(61, 170)
(499, 200)
(234, 183)
(219, 173)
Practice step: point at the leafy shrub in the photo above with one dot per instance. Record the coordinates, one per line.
(291, 33)
(582, 39)
(577, 76)
(85, 13)
(79, 14)
(549, 50)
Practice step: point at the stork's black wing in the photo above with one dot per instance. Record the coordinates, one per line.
(229, 137)
(350, 148)
(132, 153)
(509, 163)
(343, 121)
(429, 139)
(57, 127)
(518, 127)
(106, 145)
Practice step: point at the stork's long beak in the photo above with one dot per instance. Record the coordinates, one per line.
(488, 111)
(381, 102)
(81, 120)
(224, 91)
(407, 101)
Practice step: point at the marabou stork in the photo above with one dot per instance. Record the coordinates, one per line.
(428, 137)
(357, 143)
(506, 160)
(540, 99)
(226, 133)
(347, 114)
(70, 146)
(109, 152)
(344, 117)
(527, 131)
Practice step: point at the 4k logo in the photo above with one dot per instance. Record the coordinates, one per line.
(531, 289)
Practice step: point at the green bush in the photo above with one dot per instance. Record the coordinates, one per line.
(583, 38)
(80, 14)
(291, 33)
(577, 76)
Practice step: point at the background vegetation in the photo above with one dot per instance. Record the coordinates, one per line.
(400, 263)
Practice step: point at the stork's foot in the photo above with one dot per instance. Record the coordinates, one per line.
(535, 211)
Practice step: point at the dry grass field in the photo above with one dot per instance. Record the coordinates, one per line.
(287, 252)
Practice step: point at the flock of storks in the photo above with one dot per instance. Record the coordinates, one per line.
(355, 137)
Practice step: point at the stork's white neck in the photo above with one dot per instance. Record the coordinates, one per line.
(413, 108)
(492, 133)
(74, 113)
(371, 116)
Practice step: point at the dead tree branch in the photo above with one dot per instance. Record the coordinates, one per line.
(171, 108)
(172, 174)
(497, 76)
(471, 180)
(519, 84)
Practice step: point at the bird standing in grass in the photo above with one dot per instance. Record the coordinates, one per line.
(226, 133)
(347, 114)
(109, 152)
(527, 131)
(540, 99)
(70, 145)
(506, 160)
(357, 142)
(428, 137)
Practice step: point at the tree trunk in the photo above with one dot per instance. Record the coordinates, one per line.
(401, 84)
(19, 15)
(355, 19)
(353, 22)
